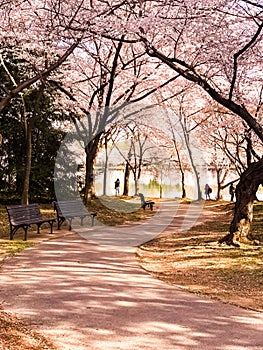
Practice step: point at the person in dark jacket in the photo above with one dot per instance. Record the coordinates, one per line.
(208, 190)
(117, 187)
(232, 191)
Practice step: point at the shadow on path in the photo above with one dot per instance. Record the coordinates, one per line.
(89, 296)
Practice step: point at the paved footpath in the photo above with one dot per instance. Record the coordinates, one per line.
(85, 290)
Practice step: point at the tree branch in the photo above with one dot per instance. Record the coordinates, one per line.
(236, 56)
(193, 76)
(19, 88)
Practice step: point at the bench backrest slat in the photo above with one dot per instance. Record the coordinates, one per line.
(65, 208)
(20, 213)
(142, 198)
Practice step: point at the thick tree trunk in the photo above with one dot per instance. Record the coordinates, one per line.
(126, 179)
(245, 195)
(91, 152)
(89, 179)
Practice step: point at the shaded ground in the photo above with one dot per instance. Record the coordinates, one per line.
(87, 296)
(14, 335)
(194, 260)
(190, 260)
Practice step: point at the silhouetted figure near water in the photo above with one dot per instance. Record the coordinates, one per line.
(208, 190)
(117, 187)
(232, 191)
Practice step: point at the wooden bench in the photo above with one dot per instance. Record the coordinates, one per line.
(23, 216)
(68, 210)
(144, 203)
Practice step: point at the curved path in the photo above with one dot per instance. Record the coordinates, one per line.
(86, 291)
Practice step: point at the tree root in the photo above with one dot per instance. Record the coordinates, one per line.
(235, 240)
(229, 240)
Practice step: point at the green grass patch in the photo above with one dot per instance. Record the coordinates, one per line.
(13, 247)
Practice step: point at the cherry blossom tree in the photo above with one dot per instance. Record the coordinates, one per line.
(225, 61)
(112, 78)
(47, 33)
(216, 45)
(97, 76)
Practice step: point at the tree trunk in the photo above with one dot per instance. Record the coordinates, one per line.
(219, 187)
(136, 182)
(161, 190)
(183, 184)
(199, 192)
(28, 134)
(181, 169)
(136, 185)
(188, 146)
(126, 179)
(89, 179)
(29, 123)
(245, 195)
(221, 175)
(105, 168)
(91, 152)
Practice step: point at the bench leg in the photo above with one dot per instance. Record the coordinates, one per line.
(147, 205)
(60, 222)
(38, 228)
(51, 227)
(69, 224)
(12, 231)
(25, 236)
